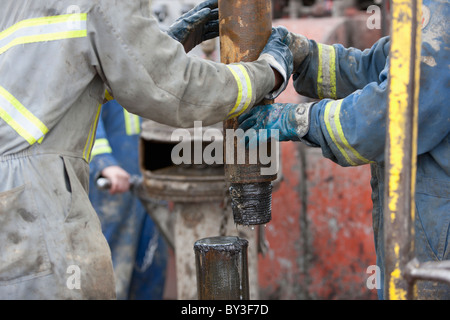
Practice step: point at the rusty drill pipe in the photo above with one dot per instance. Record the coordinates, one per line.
(222, 268)
(245, 27)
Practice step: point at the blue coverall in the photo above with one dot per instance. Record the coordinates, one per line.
(348, 124)
(139, 252)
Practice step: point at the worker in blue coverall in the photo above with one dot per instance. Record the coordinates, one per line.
(347, 121)
(138, 250)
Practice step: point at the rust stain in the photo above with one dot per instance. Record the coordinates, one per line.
(232, 53)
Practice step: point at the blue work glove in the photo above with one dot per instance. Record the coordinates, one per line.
(197, 25)
(299, 46)
(291, 122)
(278, 55)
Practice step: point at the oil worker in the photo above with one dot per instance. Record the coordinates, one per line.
(347, 121)
(57, 58)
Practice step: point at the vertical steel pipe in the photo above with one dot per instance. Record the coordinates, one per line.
(245, 27)
(222, 268)
(401, 147)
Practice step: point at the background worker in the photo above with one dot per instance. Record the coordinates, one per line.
(56, 60)
(348, 124)
(139, 252)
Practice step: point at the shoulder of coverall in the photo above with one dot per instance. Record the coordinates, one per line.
(119, 12)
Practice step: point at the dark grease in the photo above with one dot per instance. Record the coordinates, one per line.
(251, 203)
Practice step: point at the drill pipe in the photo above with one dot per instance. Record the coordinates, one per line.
(245, 27)
(222, 268)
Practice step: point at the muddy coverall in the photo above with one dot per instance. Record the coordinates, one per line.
(56, 60)
(139, 252)
(348, 124)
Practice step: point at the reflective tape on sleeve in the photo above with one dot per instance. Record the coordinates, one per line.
(43, 30)
(244, 84)
(326, 74)
(132, 123)
(101, 146)
(334, 128)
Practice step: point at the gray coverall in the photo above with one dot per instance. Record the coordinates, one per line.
(57, 58)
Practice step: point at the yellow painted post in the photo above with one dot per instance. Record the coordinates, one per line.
(401, 147)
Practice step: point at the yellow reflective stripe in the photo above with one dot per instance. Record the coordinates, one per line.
(244, 90)
(91, 136)
(334, 128)
(330, 132)
(249, 90)
(137, 124)
(27, 114)
(101, 142)
(326, 74)
(337, 121)
(320, 73)
(43, 30)
(44, 38)
(132, 125)
(108, 96)
(13, 124)
(239, 84)
(26, 124)
(68, 18)
(101, 146)
(333, 94)
(97, 151)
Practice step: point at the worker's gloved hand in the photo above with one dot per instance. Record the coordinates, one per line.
(197, 25)
(289, 119)
(299, 46)
(278, 55)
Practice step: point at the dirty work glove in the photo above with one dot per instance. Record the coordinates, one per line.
(299, 46)
(197, 25)
(289, 119)
(277, 54)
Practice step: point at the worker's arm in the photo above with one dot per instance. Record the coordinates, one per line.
(332, 71)
(149, 73)
(104, 164)
(350, 131)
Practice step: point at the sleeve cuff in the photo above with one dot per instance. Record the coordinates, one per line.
(275, 65)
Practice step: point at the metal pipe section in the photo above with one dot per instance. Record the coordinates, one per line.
(222, 268)
(401, 148)
(245, 27)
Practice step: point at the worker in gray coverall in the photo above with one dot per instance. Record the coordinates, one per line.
(57, 58)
